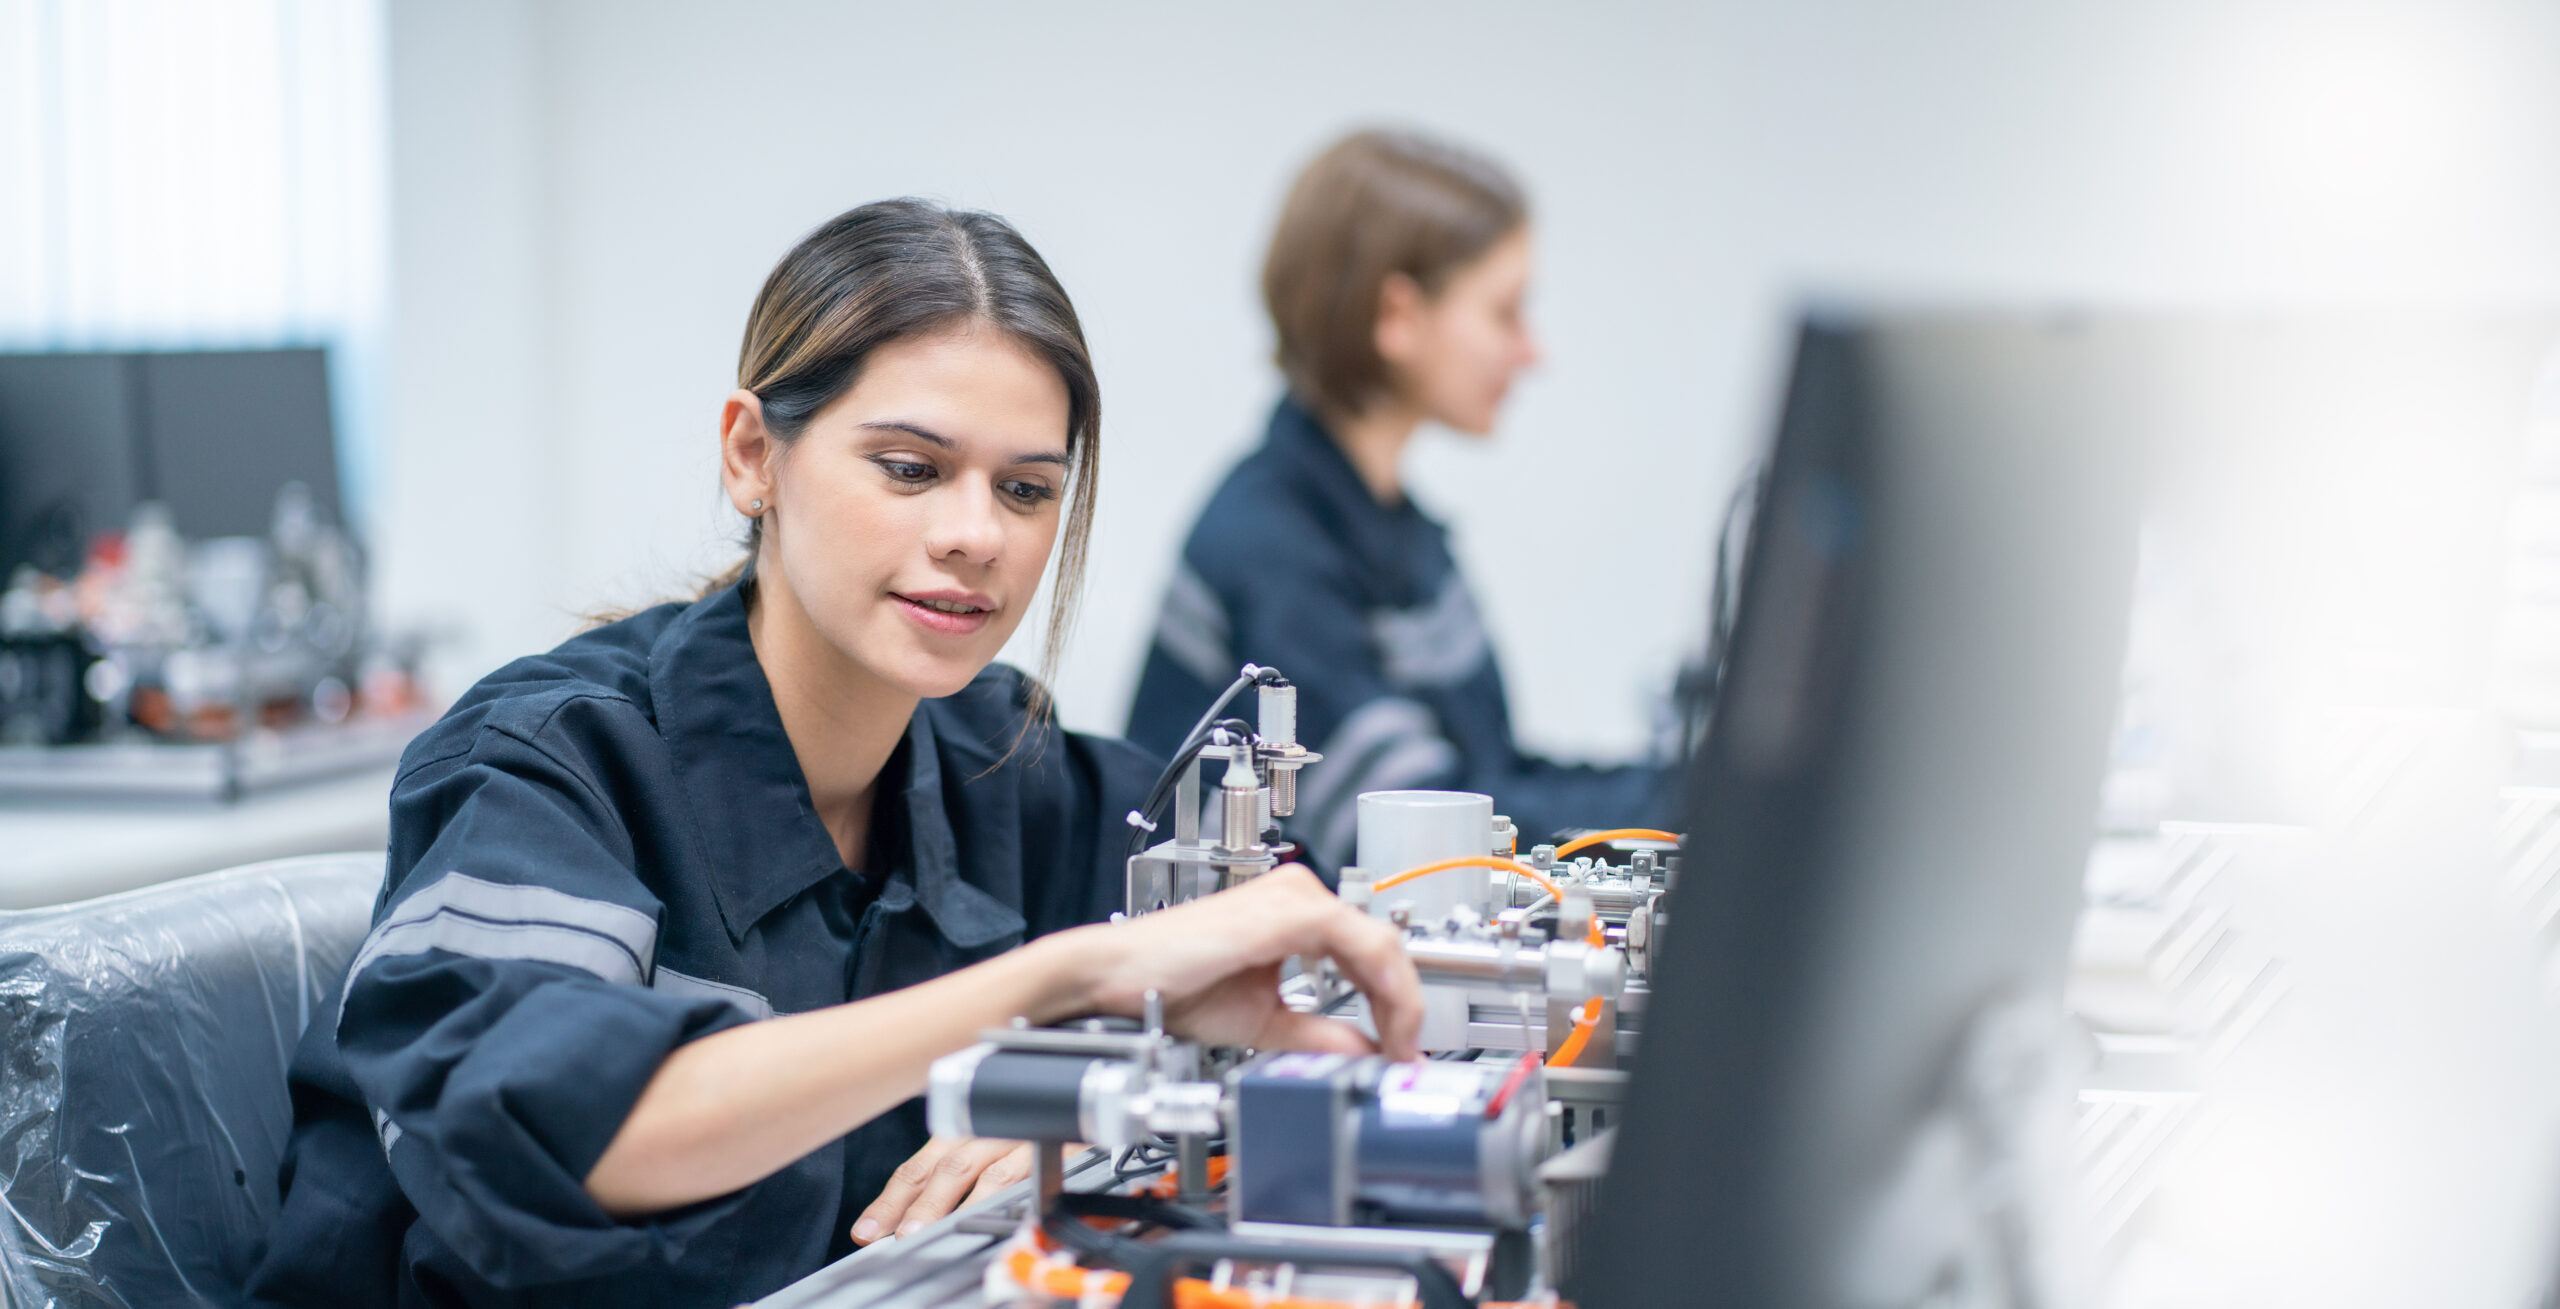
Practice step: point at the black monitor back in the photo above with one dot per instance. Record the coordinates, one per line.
(211, 433)
(1889, 818)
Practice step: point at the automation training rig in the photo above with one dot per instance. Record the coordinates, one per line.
(1317, 1180)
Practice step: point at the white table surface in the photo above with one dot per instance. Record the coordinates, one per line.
(55, 852)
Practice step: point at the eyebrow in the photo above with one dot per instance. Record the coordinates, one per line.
(937, 439)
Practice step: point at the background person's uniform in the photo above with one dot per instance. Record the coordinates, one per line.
(600, 854)
(1295, 564)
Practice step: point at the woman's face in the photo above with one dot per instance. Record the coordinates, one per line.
(1455, 354)
(912, 518)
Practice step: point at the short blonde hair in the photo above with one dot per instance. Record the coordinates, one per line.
(1374, 204)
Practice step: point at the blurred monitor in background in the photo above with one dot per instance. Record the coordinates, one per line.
(1854, 1081)
(212, 434)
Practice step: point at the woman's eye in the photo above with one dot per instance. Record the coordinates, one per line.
(1026, 493)
(903, 471)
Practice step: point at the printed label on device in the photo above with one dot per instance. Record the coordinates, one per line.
(1428, 1094)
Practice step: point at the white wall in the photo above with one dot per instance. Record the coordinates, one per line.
(586, 195)
(473, 506)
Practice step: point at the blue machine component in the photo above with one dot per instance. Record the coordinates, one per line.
(1419, 1144)
(1294, 1124)
(1332, 1141)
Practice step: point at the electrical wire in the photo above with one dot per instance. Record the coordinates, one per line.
(1585, 1018)
(1494, 861)
(1143, 820)
(1590, 839)
(1250, 675)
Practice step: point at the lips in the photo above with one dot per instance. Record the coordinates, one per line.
(946, 613)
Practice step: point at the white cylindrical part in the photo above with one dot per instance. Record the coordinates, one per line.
(1400, 830)
(1279, 717)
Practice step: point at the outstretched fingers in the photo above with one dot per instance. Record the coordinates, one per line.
(1371, 954)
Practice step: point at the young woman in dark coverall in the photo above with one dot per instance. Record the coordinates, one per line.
(1395, 283)
(678, 914)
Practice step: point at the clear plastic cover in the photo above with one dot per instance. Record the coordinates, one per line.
(143, 1109)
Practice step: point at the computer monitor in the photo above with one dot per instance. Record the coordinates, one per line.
(1886, 827)
(213, 434)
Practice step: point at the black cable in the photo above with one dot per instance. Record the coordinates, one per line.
(1122, 1173)
(1192, 741)
(1252, 675)
(1166, 782)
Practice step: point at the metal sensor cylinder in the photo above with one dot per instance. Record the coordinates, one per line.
(1240, 805)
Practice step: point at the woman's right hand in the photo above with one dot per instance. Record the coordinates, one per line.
(729, 1109)
(1215, 962)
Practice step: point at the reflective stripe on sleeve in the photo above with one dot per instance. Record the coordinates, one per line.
(1441, 643)
(492, 920)
(1192, 628)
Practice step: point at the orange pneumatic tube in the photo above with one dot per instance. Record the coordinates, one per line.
(1588, 840)
(1494, 861)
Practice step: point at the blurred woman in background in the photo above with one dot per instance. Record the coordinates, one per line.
(1395, 282)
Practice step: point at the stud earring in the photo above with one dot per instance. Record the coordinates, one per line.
(755, 506)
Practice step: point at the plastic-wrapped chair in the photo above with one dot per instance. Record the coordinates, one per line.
(142, 1105)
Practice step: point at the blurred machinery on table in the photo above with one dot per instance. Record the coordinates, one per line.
(182, 606)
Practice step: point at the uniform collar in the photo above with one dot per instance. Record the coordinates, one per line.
(1380, 536)
(750, 800)
(935, 875)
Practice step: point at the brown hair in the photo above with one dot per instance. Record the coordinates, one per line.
(901, 268)
(1373, 205)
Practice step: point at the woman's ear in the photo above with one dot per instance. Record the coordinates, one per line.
(1398, 335)
(747, 452)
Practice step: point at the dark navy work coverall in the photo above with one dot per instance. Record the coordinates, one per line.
(604, 852)
(1295, 564)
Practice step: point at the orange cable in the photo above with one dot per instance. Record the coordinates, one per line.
(1170, 1185)
(1585, 842)
(1069, 1282)
(1471, 861)
(1585, 1019)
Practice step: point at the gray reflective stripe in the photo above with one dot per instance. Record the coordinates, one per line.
(544, 942)
(692, 987)
(1386, 744)
(516, 902)
(495, 920)
(1437, 644)
(1192, 628)
(388, 1130)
